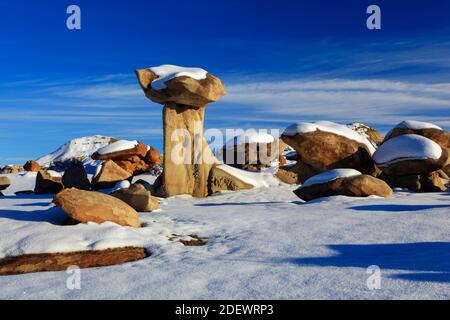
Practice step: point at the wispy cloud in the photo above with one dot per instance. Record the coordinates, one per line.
(374, 101)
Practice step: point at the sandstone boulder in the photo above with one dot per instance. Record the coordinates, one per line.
(12, 169)
(138, 197)
(334, 183)
(220, 180)
(251, 151)
(109, 175)
(429, 182)
(46, 262)
(47, 184)
(76, 177)
(324, 146)
(410, 155)
(427, 130)
(32, 166)
(90, 206)
(185, 92)
(5, 182)
(182, 86)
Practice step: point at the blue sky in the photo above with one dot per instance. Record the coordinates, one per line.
(282, 62)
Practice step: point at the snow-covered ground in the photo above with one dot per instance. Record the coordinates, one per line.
(262, 244)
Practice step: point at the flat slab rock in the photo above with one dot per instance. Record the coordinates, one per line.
(31, 263)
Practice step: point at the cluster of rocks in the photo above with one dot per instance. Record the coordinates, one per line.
(414, 155)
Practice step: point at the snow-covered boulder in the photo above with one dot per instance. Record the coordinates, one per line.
(325, 145)
(89, 206)
(121, 149)
(425, 129)
(344, 182)
(252, 150)
(222, 180)
(180, 85)
(410, 154)
(132, 156)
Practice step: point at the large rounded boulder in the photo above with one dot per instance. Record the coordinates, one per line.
(344, 182)
(325, 145)
(425, 129)
(88, 206)
(409, 155)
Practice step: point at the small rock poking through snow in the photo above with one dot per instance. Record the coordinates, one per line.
(331, 175)
(168, 72)
(407, 147)
(331, 127)
(118, 146)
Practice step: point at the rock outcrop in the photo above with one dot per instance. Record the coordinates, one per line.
(47, 184)
(132, 156)
(90, 206)
(184, 93)
(359, 185)
(137, 197)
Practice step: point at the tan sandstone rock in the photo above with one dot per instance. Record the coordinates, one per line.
(46, 262)
(110, 173)
(221, 180)
(138, 197)
(32, 166)
(356, 186)
(5, 182)
(90, 206)
(410, 155)
(187, 158)
(12, 169)
(139, 150)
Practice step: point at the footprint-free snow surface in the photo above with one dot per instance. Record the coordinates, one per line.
(262, 244)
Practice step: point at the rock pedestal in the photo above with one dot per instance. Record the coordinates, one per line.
(187, 157)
